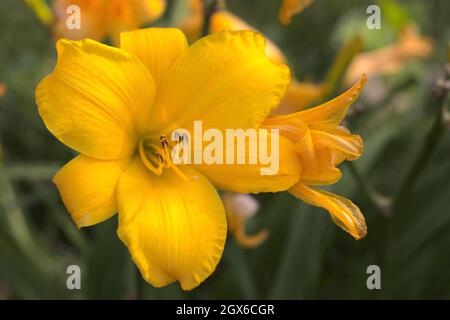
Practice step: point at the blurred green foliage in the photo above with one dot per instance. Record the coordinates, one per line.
(306, 255)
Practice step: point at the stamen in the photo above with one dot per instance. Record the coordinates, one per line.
(144, 157)
(160, 158)
(165, 154)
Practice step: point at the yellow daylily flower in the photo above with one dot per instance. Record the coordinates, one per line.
(239, 208)
(390, 59)
(115, 105)
(291, 7)
(323, 144)
(102, 18)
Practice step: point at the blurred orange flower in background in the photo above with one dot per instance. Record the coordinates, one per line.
(2, 89)
(239, 208)
(192, 23)
(102, 18)
(290, 8)
(390, 59)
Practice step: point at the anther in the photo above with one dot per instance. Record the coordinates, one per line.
(163, 141)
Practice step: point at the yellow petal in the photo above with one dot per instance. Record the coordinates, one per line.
(318, 164)
(225, 80)
(343, 212)
(223, 20)
(156, 48)
(247, 178)
(325, 117)
(320, 142)
(318, 161)
(174, 229)
(97, 100)
(290, 8)
(88, 188)
(322, 170)
(348, 146)
(331, 113)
